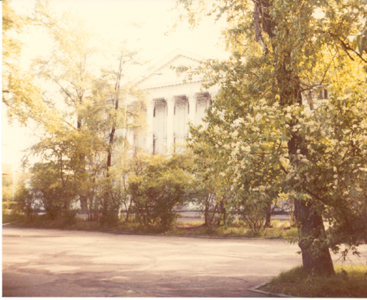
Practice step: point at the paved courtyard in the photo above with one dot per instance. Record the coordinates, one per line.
(50, 263)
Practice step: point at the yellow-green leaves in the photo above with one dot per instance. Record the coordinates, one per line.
(273, 124)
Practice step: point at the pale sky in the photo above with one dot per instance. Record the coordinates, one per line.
(145, 24)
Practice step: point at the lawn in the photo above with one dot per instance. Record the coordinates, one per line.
(349, 281)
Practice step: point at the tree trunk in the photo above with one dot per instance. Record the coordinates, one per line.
(308, 217)
(83, 199)
(222, 213)
(127, 215)
(109, 207)
(206, 211)
(268, 217)
(311, 228)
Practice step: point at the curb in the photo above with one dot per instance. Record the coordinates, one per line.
(255, 290)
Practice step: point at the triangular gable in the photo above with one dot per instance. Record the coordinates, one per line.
(162, 74)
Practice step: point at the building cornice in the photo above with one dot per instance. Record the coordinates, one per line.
(155, 87)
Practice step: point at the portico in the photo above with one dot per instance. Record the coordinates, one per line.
(172, 102)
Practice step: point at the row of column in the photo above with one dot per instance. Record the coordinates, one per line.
(168, 119)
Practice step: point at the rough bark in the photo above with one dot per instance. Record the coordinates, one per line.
(258, 34)
(311, 228)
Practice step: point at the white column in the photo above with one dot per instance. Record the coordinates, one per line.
(149, 141)
(170, 128)
(192, 108)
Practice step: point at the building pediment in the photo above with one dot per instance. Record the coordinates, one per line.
(164, 73)
(173, 101)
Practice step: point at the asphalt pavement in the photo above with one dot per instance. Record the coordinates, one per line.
(56, 263)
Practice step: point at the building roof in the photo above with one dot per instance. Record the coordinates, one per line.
(161, 73)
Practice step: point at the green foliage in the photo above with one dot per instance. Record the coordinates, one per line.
(25, 203)
(268, 134)
(156, 184)
(78, 125)
(22, 197)
(7, 187)
(8, 208)
(54, 187)
(349, 281)
(108, 200)
(19, 93)
(233, 230)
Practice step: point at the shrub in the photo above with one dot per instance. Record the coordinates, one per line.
(156, 184)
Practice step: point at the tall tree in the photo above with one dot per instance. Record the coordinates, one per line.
(81, 120)
(123, 108)
(69, 70)
(300, 46)
(19, 93)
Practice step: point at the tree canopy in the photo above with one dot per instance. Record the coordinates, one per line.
(290, 117)
(76, 106)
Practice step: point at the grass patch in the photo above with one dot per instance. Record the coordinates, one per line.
(282, 231)
(349, 281)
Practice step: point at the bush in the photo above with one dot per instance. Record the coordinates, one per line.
(157, 184)
(53, 189)
(69, 216)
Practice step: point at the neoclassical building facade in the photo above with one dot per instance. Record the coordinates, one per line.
(172, 102)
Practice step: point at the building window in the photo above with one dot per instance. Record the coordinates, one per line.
(326, 94)
(319, 96)
(322, 93)
(154, 112)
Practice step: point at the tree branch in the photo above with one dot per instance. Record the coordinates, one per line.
(316, 197)
(258, 34)
(345, 46)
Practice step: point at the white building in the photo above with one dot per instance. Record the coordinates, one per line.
(172, 102)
